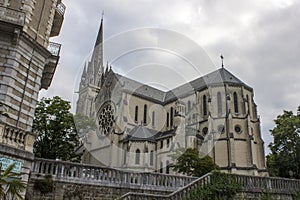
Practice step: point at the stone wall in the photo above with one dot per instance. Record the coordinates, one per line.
(259, 196)
(74, 191)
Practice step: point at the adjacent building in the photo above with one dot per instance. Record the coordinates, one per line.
(27, 64)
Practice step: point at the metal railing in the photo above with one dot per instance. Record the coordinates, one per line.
(61, 8)
(54, 48)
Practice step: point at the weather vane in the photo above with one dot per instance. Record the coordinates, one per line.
(222, 60)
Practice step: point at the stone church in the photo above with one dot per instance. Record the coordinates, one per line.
(139, 127)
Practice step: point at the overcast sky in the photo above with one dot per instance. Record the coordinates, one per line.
(260, 41)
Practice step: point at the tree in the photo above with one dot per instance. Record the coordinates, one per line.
(55, 130)
(190, 163)
(84, 124)
(284, 159)
(11, 185)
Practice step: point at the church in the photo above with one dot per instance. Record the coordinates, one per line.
(140, 127)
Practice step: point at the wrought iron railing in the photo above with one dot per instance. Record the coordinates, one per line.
(54, 48)
(61, 8)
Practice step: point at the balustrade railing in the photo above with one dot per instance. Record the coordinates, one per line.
(180, 186)
(72, 172)
(271, 184)
(13, 136)
(182, 193)
(247, 183)
(12, 16)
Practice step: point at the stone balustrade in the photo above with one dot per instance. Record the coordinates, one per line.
(12, 16)
(95, 175)
(249, 184)
(12, 136)
(271, 184)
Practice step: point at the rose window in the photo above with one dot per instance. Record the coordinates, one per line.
(106, 119)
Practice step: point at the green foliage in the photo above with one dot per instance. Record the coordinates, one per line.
(44, 185)
(296, 196)
(11, 185)
(55, 129)
(266, 195)
(84, 124)
(221, 186)
(284, 160)
(190, 163)
(71, 193)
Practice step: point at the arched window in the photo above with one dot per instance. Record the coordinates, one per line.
(125, 152)
(219, 99)
(204, 105)
(167, 167)
(171, 117)
(136, 114)
(189, 106)
(153, 118)
(168, 116)
(137, 156)
(161, 167)
(145, 114)
(151, 157)
(235, 102)
(248, 103)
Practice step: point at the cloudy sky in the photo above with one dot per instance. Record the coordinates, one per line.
(260, 41)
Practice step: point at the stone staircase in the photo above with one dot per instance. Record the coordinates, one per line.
(280, 187)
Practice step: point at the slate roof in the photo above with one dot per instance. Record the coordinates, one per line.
(141, 89)
(142, 133)
(218, 77)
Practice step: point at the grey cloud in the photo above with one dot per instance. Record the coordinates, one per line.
(260, 42)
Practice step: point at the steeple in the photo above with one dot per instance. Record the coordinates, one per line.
(99, 39)
(92, 77)
(97, 57)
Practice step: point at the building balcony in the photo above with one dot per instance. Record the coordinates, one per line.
(12, 16)
(58, 19)
(50, 67)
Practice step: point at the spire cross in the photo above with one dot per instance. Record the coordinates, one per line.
(222, 60)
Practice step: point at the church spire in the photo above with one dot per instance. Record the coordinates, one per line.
(99, 39)
(97, 56)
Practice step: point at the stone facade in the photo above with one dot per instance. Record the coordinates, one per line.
(27, 64)
(74, 191)
(139, 127)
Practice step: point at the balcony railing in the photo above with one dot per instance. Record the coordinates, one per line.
(96, 175)
(249, 184)
(12, 16)
(13, 136)
(61, 8)
(54, 48)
